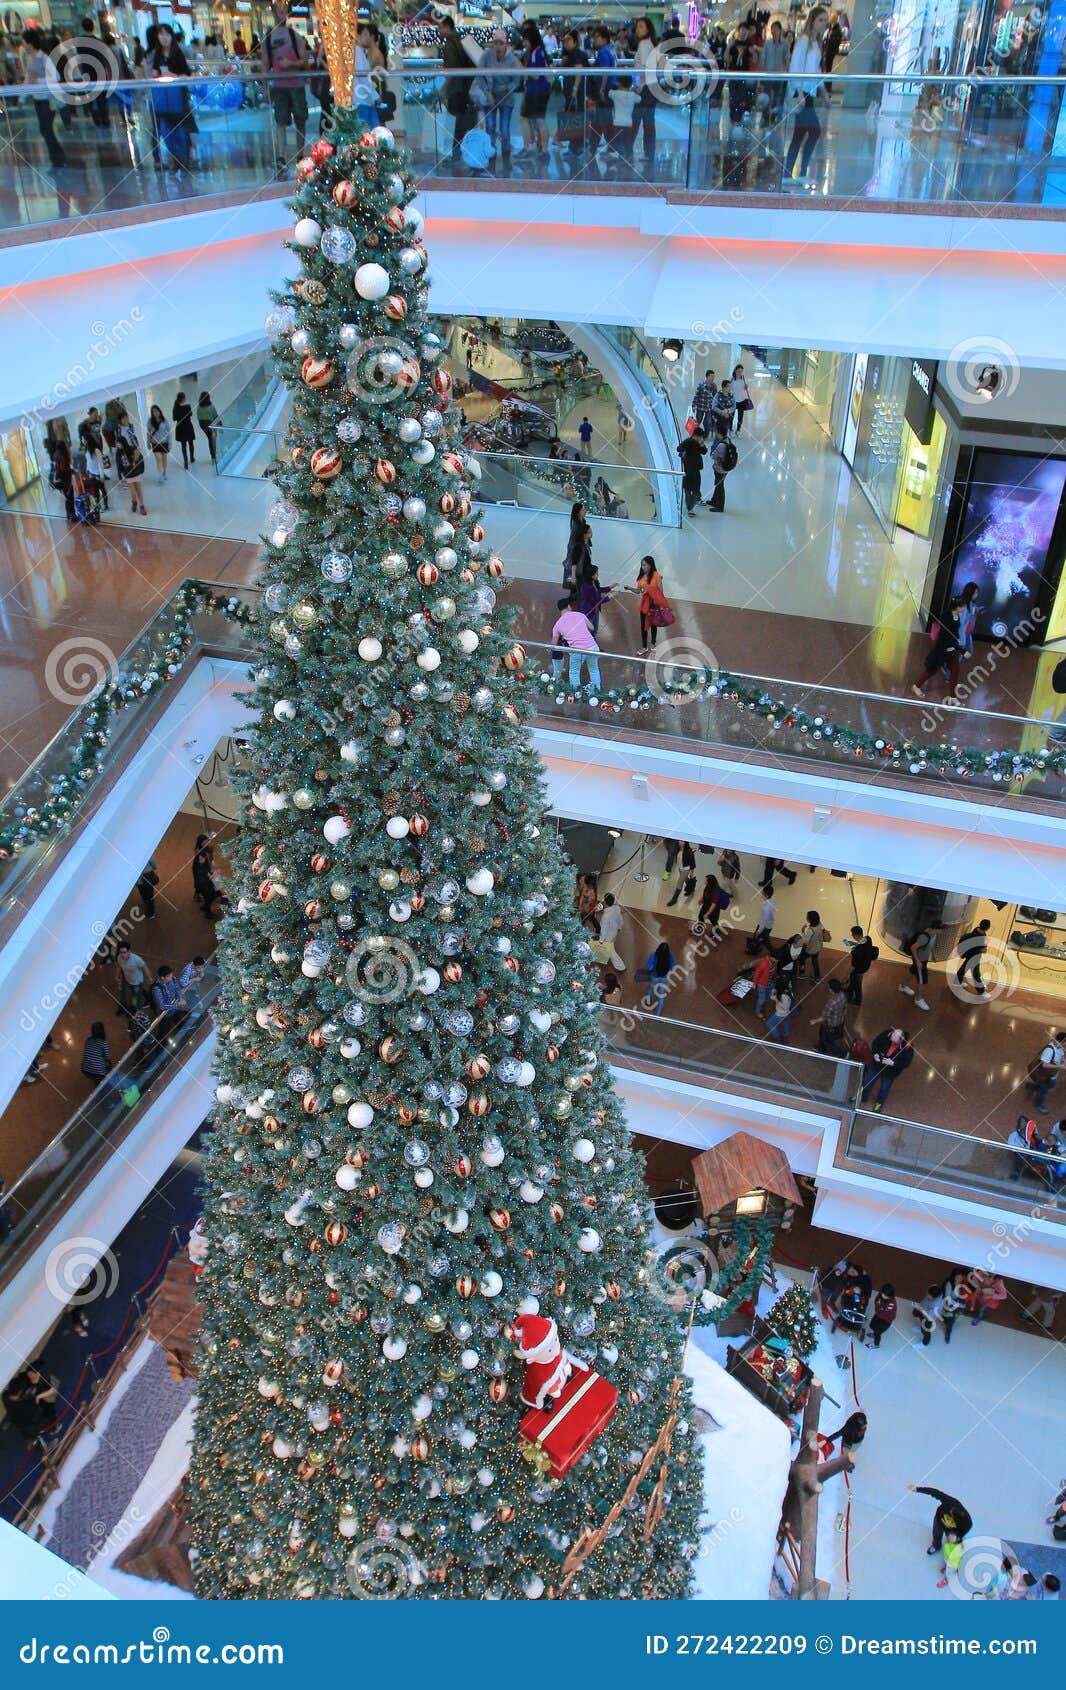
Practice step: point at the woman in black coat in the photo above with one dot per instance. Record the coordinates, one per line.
(184, 429)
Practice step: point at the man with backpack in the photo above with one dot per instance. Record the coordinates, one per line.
(919, 948)
(285, 50)
(1044, 1070)
(864, 953)
(723, 461)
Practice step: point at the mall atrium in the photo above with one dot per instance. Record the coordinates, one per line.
(533, 735)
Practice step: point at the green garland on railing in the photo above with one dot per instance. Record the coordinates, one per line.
(129, 685)
(1009, 768)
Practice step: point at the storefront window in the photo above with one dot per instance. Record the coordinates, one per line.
(919, 472)
(879, 436)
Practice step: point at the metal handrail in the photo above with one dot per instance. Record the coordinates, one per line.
(958, 712)
(694, 67)
(998, 1144)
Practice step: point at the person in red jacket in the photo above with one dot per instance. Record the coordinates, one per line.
(885, 1311)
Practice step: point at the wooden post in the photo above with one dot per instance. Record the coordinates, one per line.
(799, 1514)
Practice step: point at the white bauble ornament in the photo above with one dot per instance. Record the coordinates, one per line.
(360, 1115)
(428, 981)
(394, 1349)
(423, 453)
(609, 1352)
(429, 659)
(308, 233)
(351, 751)
(422, 1408)
(529, 1192)
(414, 219)
(285, 710)
(268, 1387)
(397, 827)
(347, 1178)
(400, 910)
(369, 649)
(583, 1150)
(335, 829)
(424, 1178)
(492, 1153)
(469, 1359)
(349, 1049)
(481, 798)
(300, 341)
(414, 509)
(224, 1093)
(467, 641)
(481, 882)
(491, 1284)
(457, 1221)
(348, 336)
(540, 1019)
(312, 970)
(371, 281)
(529, 1305)
(409, 429)
(533, 1587)
(526, 1075)
(589, 1240)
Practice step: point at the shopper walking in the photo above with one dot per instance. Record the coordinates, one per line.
(703, 401)
(891, 1054)
(495, 91)
(574, 630)
(944, 652)
(184, 430)
(806, 93)
(96, 1061)
(166, 995)
(159, 439)
(723, 463)
(950, 1516)
(714, 899)
(1045, 1070)
(781, 1001)
(761, 976)
(167, 66)
(284, 58)
(686, 880)
(765, 924)
(611, 922)
(131, 976)
(38, 67)
(814, 936)
(659, 966)
(971, 948)
(129, 462)
(578, 557)
(919, 947)
(830, 1024)
(884, 1314)
(207, 417)
(654, 607)
(647, 104)
(742, 400)
(864, 953)
(534, 108)
(147, 881)
(692, 452)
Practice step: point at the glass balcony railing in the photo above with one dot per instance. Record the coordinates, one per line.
(98, 1128)
(682, 694)
(73, 150)
(659, 1042)
(620, 491)
(974, 1167)
(62, 786)
(678, 696)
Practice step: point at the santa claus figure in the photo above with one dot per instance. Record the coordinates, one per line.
(548, 1367)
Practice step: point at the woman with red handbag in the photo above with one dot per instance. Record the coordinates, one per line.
(655, 612)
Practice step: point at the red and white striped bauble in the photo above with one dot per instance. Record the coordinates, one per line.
(319, 863)
(478, 1103)
(390, 1049)
(326, 463)
(465, 1285)
(451, 463)
(410, 371)
(428, 574)
(447, 503)
(498, 1390)
(396, 307)
(345, 193)
(494, 567)
(394, 219)
(453, 972)
(476, 530)
(514, 658)
(419, 826)
(441, 382)
(500, 1219)
(478, 1067)
(317, 372)
(385, 471)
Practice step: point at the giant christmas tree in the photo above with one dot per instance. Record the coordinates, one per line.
(416, 1136)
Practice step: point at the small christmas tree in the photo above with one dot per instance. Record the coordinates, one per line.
(793, 1318)
(417, 1140)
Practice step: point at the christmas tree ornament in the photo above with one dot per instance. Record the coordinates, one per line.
(307, 233)
(371, 281)
(317, 372)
